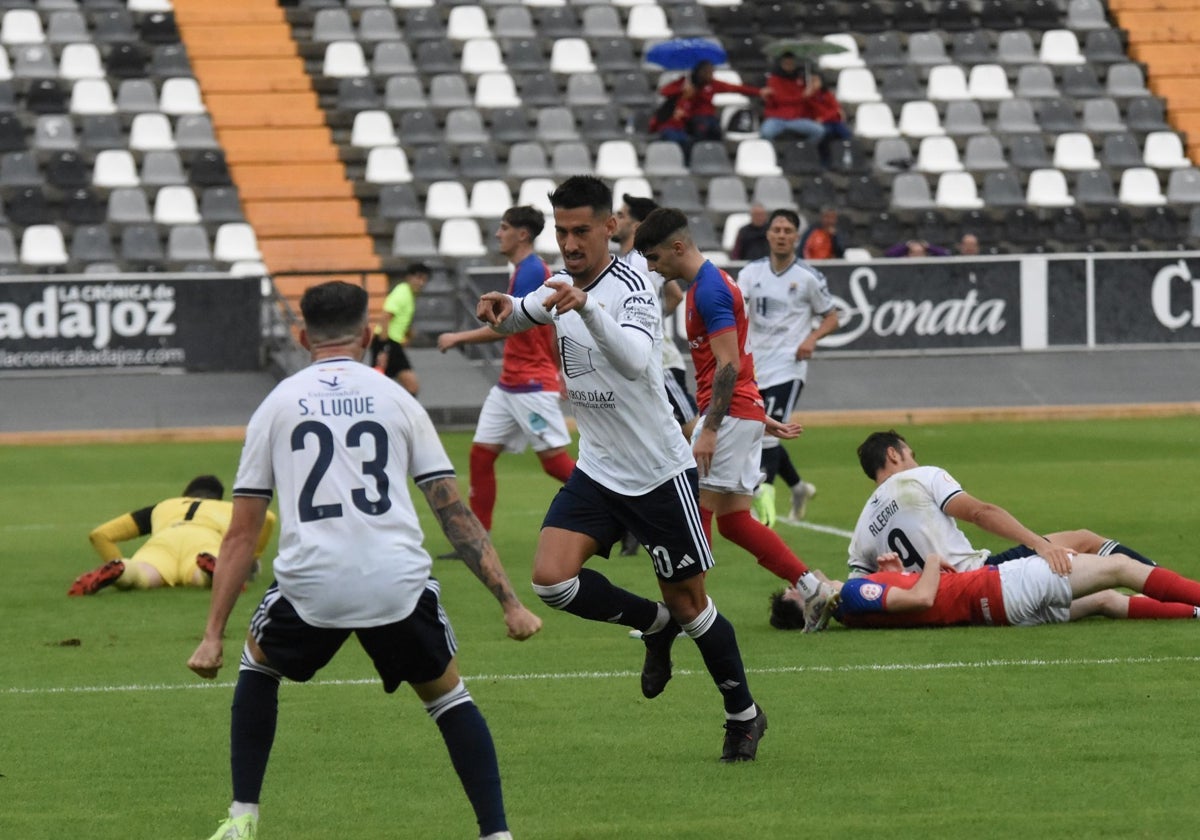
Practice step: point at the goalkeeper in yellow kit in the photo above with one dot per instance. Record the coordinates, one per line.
(185, 536)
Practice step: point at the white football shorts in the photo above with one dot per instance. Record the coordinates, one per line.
(1033, 594)
(516, 420)
(735, 466)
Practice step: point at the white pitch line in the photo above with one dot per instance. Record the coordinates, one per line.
(812, 526)
(880, 667)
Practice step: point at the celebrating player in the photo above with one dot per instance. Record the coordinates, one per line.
(634, 472)
(340, 443)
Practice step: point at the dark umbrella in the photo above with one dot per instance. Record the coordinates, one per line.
(685, 53)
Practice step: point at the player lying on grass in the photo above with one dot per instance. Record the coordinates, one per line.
(1023, 592)
(915, 510)
(185, 535)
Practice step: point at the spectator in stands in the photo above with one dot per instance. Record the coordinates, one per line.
(825, 109)
(687, 113)
(787, 108)
(751, 242)
(821, 240)
(968, 246)
(916, 248)
(396, 326)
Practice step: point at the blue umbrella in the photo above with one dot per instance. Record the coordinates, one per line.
(685, 53)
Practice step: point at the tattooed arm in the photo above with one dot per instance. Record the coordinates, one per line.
(725, 351)
(472, 544)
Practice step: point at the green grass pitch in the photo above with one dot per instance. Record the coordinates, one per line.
(1053, 732)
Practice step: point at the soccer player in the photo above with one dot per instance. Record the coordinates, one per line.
(1021, 593)
(783, 297)
(727, 441)
(523, 408)
(185, 536)
(399, 308)
(634, 472)
(914, 511)
(340, 442)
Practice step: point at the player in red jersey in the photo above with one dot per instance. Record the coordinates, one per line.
(1021, 593)
(523, 409)
(727, 442)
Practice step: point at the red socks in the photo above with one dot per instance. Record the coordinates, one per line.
(1150, 608)
(483, 484)
(768, 548)
(559, 466)
(1165, 585)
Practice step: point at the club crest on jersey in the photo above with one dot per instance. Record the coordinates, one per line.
(870, 591)
(576, 358)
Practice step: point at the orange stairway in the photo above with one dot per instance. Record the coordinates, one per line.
(279, 148)
(1165, 36)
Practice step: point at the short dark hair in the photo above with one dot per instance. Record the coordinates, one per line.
(526, 217)
(205, 487)
(639, 206)
(872, 452)
(785, 613)
(658, 227)
(334, 309)
(784, 213)
(417, 268)
(582, 191)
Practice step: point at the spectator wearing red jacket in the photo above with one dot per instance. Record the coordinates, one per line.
(787, 108)
(687, 113)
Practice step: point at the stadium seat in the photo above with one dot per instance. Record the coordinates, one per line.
(536, 193)
(1095, 188)
(1146, 113)
(478, 161)
(957, 191)
(647, 21)
(882, 49)
(413, 239)
(67, 26)
(151, 132)
(856, 85)
(464, 23)
(496, 90)
(80, 61)
(461, 238)
(28, 206)
(755, 158)
(571, 55)
(510, 125)
(1073, 151)
(371, 129)
(926, 48)
(799, 158)
(188, 243)
(947, 82)
(1002, 189)
(938, 154)
(680, 193)
(1102, 116)
(51, 132)
(1048, 188)
(539, 90)
(733, 223)
(615, 54)
(162, 168)
(513, 22)
(168, 61)
(1140, 188)
(1120, 151)
(1080, 82)
(988, 82)
(874, 121)
(709, 158)
(1164, 150)
(1059, 47)
(663, 159)
(1014, 47)
(91, 243)
(1028, 151)
(65, 171)
(1125, 81)
(465, 125)
(114, 168)
(984, 153)
(910, 191)
(775, 191)
(1183, 186)
(586, 89)
(848, 57)
(101, 131)
(446, 200)
(490, 197)
(424, 23)
(1084, 15)
(331, 25)
(481, 55)
(570, 158)
(140, 244)
(126, 61)
(1104, 46)
(963, 117)
(527, 160)
(222, 204)
(1036, 81)
(344, 59)
(21, 26)
(43, 245)
(971, 47)
(136, 96)
(395, 58)
(176, 205)
(892, 154)
(92, 96)
(617, 159)
(406, 93)
(450, 90)
(727, 194)
(387, 165)
(920, 118)
(235, 241)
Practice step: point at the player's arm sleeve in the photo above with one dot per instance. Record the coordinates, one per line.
(127, 526)
(863, 596)
(626, 343)
(527, 312)
(715, 305)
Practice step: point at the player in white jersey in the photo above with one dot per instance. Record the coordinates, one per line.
(635, 471)
(784, 298)
(339, 442)
(914, 513)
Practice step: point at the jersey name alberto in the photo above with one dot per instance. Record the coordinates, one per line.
(781, 308)
(339, 442)
(906, 515)
(629, 441)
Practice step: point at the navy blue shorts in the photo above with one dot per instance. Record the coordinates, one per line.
(780, 400)
(666, 521)
(416, 649)
(1014, 553)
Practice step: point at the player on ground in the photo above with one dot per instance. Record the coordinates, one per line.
(340, 443)
(727, 441)
(185, 536)
(1023, 592)
(784, 296)
(523, 408)
(914, 512)
(634, 472)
